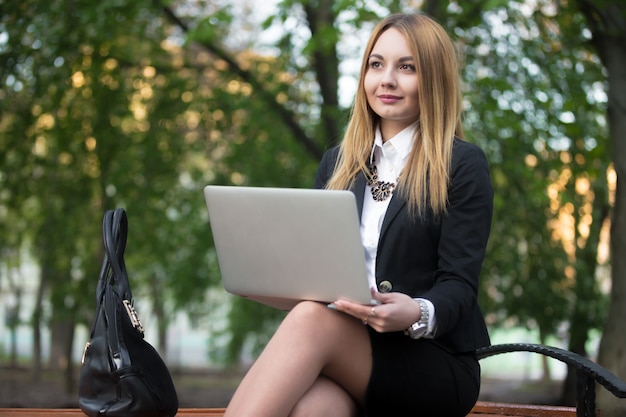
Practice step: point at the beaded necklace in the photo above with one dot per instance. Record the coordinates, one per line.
(381, 190)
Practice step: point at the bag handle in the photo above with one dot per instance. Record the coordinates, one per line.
(115, 234)
(113, 285)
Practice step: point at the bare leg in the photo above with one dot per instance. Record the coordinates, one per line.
(325, 399)
(312, 341)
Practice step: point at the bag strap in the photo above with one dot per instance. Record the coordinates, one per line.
(115, 286)
(115, 234)
(105, 270)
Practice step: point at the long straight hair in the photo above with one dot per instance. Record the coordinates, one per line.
(424, 181)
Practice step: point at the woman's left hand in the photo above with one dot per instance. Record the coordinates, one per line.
(396, 311)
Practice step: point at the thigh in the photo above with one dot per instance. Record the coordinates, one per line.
(342, 341)
(312, 341)
(325, 399)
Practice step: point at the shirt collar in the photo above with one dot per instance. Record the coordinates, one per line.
(402, 141)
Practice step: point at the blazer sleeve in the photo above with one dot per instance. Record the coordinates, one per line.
(463, 236)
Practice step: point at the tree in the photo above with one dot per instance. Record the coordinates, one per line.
(140, 105)
(550, 167)
(607, 22)
(537, 249)
(82, 131)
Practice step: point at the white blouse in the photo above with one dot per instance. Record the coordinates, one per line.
(390, 158)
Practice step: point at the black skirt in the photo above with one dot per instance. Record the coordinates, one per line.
(419, 378)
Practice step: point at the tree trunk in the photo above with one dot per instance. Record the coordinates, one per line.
(13, 323)
(585, 315)
(158, 309)
(70, 375)
(612, 353)
(326, 65)
(61, 331)
(62, 341)
(546, 376)
(36, 323)
(608, 25)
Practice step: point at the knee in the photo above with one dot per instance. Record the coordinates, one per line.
(305, 316)
(315, 318)
(323, 407)
(317, 314)
(309, 309)
(319, 321)
(325, 398)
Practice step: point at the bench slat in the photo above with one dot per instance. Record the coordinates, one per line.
(74, 412)
(482, 408)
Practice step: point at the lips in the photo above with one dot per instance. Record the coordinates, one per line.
(389, 98)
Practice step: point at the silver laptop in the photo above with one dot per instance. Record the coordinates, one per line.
(279, 246)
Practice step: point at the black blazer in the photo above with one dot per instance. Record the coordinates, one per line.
(439, 260)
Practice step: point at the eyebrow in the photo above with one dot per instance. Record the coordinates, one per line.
(403, 59)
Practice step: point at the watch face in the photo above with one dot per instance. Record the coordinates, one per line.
(418, 330)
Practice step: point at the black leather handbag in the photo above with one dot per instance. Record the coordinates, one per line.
(121, 375)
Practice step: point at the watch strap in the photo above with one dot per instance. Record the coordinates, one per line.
(420, 327)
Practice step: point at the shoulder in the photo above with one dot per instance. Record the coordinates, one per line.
(466, 155)
(326, 167)
(463, 149)
(469, 169)
(331, 155)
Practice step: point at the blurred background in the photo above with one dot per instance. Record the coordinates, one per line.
(140, 104)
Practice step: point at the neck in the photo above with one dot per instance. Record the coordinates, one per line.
(390, 128)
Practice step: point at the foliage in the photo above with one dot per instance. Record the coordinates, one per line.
(84, 109)
(549, 166)
(140, 104)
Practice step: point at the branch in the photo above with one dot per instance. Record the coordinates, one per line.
(605, 20)
(288, 117)
(326, 67)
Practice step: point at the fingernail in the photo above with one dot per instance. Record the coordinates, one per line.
(331, 306)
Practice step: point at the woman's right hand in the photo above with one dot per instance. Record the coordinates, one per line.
(396, 311)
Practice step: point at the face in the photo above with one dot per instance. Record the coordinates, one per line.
(391, 84)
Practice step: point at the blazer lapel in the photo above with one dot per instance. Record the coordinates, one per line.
(359, 192)
(395, 205)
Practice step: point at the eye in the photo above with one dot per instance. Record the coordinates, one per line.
(374, 64)
(407, 67)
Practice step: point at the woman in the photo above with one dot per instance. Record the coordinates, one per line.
(426, 205)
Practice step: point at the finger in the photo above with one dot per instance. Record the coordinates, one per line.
(363, 312)
(356, 310)
(380, 297)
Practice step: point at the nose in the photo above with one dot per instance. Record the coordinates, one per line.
(388, 78)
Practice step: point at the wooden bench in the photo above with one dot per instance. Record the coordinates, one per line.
(588, 374)
(481, 409)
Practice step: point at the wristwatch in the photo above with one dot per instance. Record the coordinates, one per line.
(420, 327)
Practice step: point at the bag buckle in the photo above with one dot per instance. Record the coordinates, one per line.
(82, 359)
(132, 314)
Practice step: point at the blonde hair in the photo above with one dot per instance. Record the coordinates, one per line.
(424, 181)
